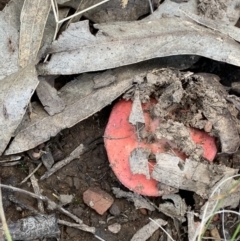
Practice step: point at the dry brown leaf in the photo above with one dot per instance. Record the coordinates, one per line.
(138, 200)
(146, 231)
(33, 19)
(9, 37)
(119, 44)
(176, 208)
(15, 93)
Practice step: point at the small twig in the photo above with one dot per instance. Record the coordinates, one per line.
(83, 11)
(36, 189)
(30, 174)
(99, 238)
(54, 11)
(10, 164)
(78, 226)
(74, 154)
(151, 7)
(46, 199)
(75, 14)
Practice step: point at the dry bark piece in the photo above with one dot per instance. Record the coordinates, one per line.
(138, 161)
(139, 201)
(9, 37)
(119, 44)
(209, 95)
(78, 95)
(136, 115)
(146, 231)
(34, 16)
(175, 209)
(15, 93)
(194, 176)
(181, 136)
(35, 227)
(49, 98)
(171, 95)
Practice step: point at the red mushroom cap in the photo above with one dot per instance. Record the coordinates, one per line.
(120, 140)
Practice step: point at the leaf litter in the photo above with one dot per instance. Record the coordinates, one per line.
(183, 100)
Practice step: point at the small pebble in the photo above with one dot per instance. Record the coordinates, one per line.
(34, 155)
(143, 211)
(114, 228)
(114, 210)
